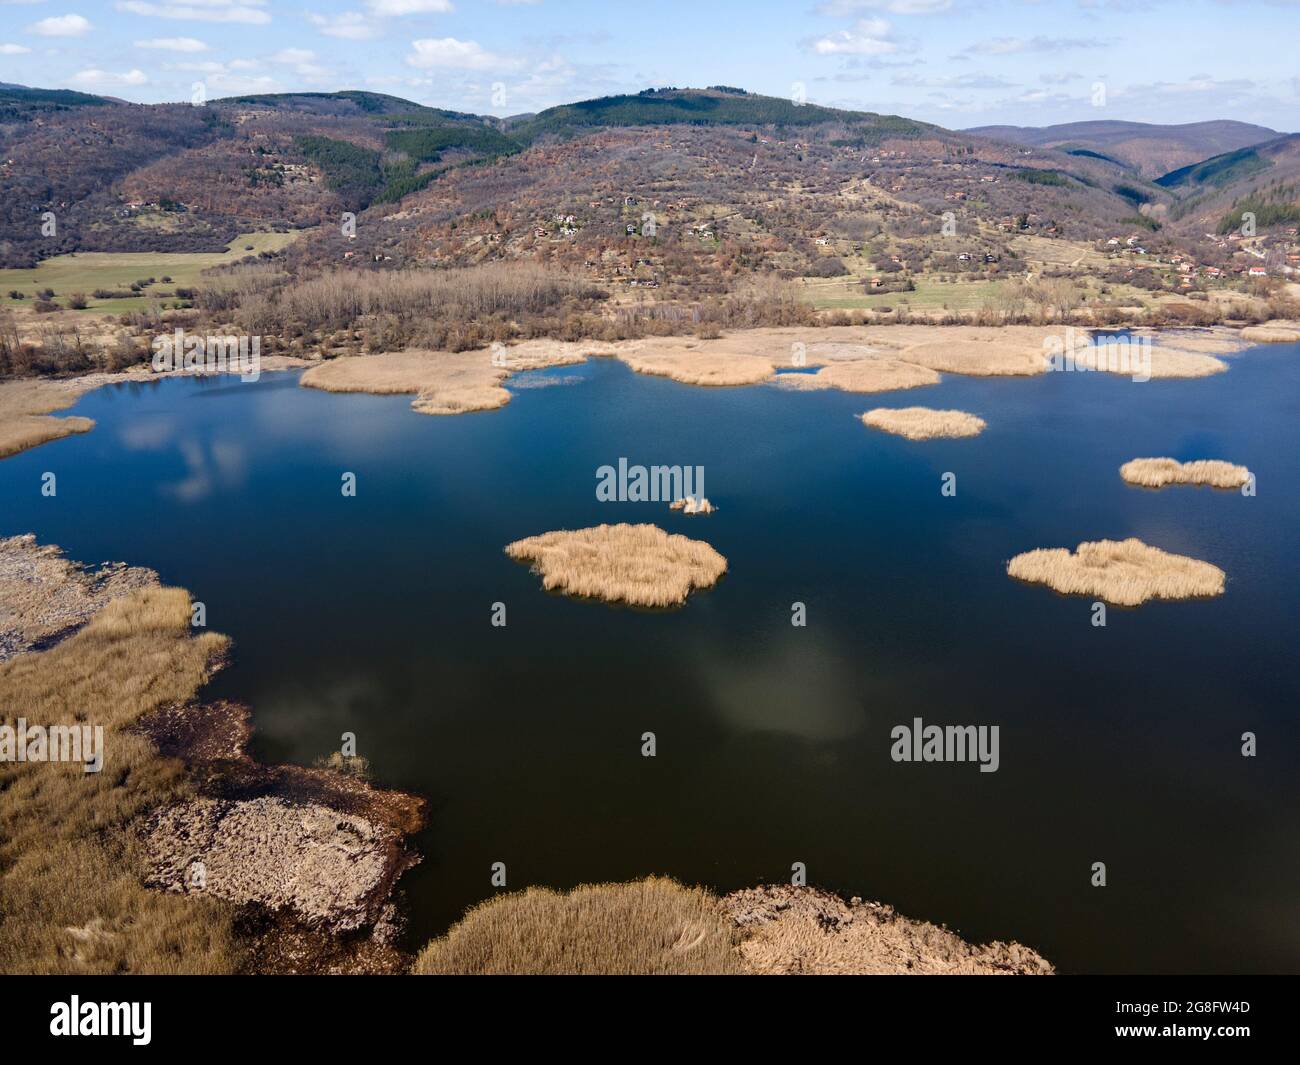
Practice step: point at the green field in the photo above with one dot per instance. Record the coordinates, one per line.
(86, 271)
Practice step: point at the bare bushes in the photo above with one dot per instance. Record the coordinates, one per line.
(445, 309)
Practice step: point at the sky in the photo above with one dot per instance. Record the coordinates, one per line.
(958, 63)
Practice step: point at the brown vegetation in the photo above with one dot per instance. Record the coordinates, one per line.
(922, 423)
(636, 564)
(71, 883)
(881, 374)
(1276, 332)
(648, 927)
(1156, 473)
(25, 408)
(73, 863)
(1123, 572)
(659, 927)
(443, 382)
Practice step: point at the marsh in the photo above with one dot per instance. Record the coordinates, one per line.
(373, 615)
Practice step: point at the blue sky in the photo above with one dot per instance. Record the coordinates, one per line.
(956, 62)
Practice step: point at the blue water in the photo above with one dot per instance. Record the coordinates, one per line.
(1119, 744)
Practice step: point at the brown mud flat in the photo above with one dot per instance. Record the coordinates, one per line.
(311, 855)
(802, 930)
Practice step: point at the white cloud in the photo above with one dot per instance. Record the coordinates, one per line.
(954, 81)
(397, 8)
(452, 54)
(848, 8)
(1017, 45)
(301, 61)
(61, 26)
(868, 36)
(173, 44)
(246, 11)
(107, 79)
(350, 25)
(13, 49)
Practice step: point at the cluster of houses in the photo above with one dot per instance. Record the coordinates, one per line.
(1280, 258)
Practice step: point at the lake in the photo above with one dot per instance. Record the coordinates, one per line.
(1121, 744)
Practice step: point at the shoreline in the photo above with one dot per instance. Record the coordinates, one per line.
(857, 359)
(301, 866)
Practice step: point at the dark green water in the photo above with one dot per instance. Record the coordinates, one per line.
(1119, 744)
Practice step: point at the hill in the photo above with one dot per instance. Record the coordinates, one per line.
(1212, 194)
(173, 177)
(1149, 150)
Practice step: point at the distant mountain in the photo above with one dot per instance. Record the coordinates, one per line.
(1213, 193)
(770, 173)
(706, 107)
(19, 103)
(1149, 150)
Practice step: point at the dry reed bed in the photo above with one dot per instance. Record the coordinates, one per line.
(44, 597)
(640, 565)
(1279, 331)
(853, 358)
(1156, 473)
(77, 848)
(923, 423)
(70, 868)
(650, 927)
(659, 927)
(25, 409)
(862, 375)
(715, 369)
(1122, 572)
(444, 382)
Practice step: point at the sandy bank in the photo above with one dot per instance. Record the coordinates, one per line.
(445, 382)
(658, 927)
(922, 423)
(640, 565)
(1156, 473)
(1123, 572)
